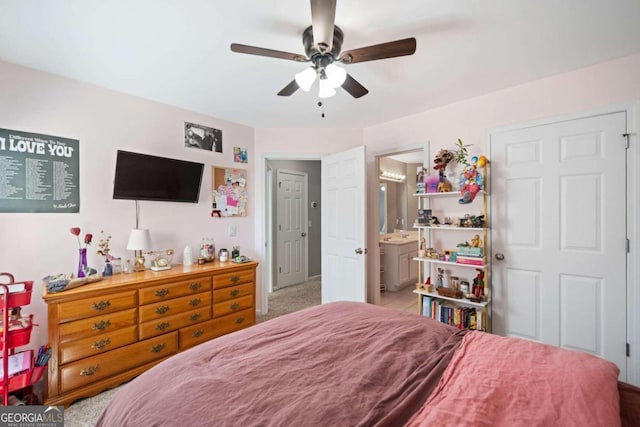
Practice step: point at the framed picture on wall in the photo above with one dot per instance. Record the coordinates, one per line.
(228, 192)
(202, 137)
(240, 155)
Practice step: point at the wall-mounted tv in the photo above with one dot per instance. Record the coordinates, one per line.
(145, 177)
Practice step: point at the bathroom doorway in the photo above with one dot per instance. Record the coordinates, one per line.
(398, 242)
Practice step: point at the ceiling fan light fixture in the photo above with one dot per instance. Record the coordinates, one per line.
(336, 75)
(305, 78)
(326, 89)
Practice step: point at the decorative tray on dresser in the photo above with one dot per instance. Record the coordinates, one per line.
(105, 333)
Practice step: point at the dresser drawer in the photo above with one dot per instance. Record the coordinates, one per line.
(234, 322)
(89, 307)
(225, 294)
(196, 334)
(92, 369)
(75, 350)
(93, 326)
(174, 306)
(235, 278)
(171, 323)
(174, 289)
(226, 307)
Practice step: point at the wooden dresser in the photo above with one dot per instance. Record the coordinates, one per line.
(105, 333)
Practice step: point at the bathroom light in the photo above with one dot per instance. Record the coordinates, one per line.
(305, 78)
(392, 176)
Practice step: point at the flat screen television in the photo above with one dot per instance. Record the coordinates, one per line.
(145, 177)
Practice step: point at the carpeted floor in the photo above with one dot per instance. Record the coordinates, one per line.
(85, 412)
(292, 298)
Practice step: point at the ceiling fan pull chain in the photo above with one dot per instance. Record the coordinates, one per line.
(321, 105)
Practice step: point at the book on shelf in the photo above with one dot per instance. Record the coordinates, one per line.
(470, 260)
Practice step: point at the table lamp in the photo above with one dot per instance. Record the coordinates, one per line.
(139, 240)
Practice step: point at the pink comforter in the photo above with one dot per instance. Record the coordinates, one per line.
(497, 381)
(338, 364)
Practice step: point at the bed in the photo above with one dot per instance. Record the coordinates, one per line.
(355, 364)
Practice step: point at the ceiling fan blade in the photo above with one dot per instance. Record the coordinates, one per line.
(289, 89)
(380, 51)
(352, 86)
(323, 17)
(260, 51)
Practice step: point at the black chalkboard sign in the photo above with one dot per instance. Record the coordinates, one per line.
(38, 173)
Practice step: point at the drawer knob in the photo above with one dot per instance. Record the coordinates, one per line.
(234, 279)
(239, 320)
(102, 305)
(194, 317)
(195, 301)
(162, 326)
(235, 306)
(157, 348)
(99, 345)
(162, 292)
(234, 293)
(101, 325)
(162, 309)
(195, 286)
(89, 371)
(198, 333)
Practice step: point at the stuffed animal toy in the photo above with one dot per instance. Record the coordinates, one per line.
(441, 161)
(471, 181)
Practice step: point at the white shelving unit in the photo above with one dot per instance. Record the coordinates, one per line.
(437, 203)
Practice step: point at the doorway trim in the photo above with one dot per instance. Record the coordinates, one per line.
(265, 236)
(632, 111)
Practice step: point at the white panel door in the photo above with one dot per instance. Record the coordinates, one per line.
(558, 218)
(292, 227)
(343, 226)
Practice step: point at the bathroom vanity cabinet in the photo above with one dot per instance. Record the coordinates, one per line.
(399, 270)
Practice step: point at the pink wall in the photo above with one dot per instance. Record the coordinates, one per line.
(35, 245)
(582, 90)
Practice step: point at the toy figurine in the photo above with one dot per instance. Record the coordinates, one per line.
(478, 283)
(471, 180)
(440, 278)
(441, 161)
(476, 242)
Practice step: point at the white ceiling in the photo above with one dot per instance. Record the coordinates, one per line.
(177, 52)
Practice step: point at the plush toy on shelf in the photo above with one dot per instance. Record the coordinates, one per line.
(471, 180)
(441, 161)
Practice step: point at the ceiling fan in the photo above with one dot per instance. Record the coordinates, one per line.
(322, 42)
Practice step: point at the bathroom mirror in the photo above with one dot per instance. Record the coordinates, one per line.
(398, 206)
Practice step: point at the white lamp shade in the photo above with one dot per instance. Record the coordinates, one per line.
(305, 78)
(139, 240)
(336, 75)
(326, 90)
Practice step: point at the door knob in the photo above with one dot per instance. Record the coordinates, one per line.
(360, 251)
(303, 234)
(500, 257)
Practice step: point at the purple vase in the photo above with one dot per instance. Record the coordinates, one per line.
(82, 262)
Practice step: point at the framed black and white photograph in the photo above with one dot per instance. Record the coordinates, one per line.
(203, 137)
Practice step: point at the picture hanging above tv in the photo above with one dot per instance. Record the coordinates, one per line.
(145, 177)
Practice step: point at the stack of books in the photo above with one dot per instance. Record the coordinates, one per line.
(451, 314)
(470, 255)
